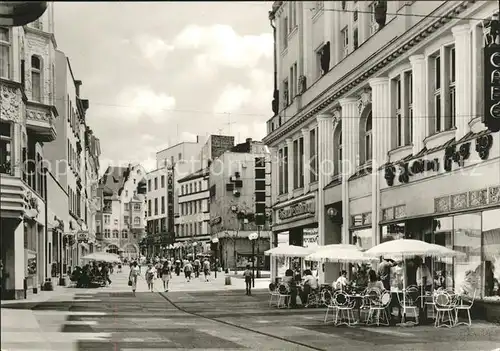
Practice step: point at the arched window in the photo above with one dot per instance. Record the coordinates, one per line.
(137, 220)
(36, 78)
(124, 234)
(368, 141)
(115, 234)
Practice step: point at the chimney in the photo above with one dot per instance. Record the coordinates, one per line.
(78, 84)
(249, 140)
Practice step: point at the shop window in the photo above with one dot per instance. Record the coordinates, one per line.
(491, 252)
(442, 268)
(467, 239)
(362, 238)
(392, 232)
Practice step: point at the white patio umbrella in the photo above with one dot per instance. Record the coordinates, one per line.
(289, 251)
(402, 249)
(339, 253)
(101, 256)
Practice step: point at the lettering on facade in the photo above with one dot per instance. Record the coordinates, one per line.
(298, 209)
(170, 201)
(492, 87)
(406, 170)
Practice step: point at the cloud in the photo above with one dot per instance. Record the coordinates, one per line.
(136, 102)
(221, 45)
(153, 48)
(232, 98)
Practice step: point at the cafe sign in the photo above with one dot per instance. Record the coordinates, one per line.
(492, 87)
(306, 207)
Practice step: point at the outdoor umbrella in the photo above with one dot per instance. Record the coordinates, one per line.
(402, 249)
(288, 251)
(339, 253)
(101, 256)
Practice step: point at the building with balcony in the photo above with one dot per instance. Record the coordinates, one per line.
(192, 224)
(377, 126)
(27, 116)
(239, 203)
(121, 217)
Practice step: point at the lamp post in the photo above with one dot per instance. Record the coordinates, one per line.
(252, 237)
(216, 242)
(194, 249)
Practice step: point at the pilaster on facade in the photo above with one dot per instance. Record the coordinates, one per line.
(305, 160)
(419, 98)
(290, 166)
(463, 69)
(381, 117)
(325, 149)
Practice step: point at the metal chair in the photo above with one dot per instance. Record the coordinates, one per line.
(344, 309)
(444, 304)
(377, 314)
(408, 302)
(464, 305)
(327, 299)
(272, 293)
(284, 296)
(368, 295)
(313, 299)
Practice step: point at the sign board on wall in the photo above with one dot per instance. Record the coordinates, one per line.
(298, 209)
(492, 87)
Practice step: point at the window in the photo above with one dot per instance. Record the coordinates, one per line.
(285, 169)
(190, 188)
(137, 220)
(107, 233)
(126, 193)
(124, 234)
(295, 164)
(200, 186)
(409, 110)
(4, 52)
(293, 14)
(451, 91)
(156, 183)
(107, 219)
(200, 227)
(149, 207)
(180, 156)
(339, 153)
(399, 113)
(115, 220)
(355, 38)
(137, 207)
(286, 92)
(373, 24)
(317, 54)
(355, 15)
(280, 172)
(313, 157)
(162, 181)
(345, 40)
(368, 138)
(437, 93)
(195, 187)
(36, 79)
(116, 234)
(156, 206)
(301, 162)
(285, 33)
(162, 204)
(491, 252)
(126, 219)
(292, 91)
(5, 148)
(149, 184)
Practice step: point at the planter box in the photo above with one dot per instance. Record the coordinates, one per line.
(486, 310)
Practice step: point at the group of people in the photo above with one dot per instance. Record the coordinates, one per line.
(162, 269)
(97, 273)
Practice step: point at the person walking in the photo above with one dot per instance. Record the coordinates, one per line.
(105, 273)
(248, 280)
(132, 277)
(150, 277)
(206, 269)
(166, 274)
(196, 267)
(188, 269)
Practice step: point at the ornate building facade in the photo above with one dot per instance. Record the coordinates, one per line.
(384, 107)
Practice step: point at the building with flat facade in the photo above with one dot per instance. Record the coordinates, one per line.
(384, 104)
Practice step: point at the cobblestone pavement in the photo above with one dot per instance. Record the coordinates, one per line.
(204, 315)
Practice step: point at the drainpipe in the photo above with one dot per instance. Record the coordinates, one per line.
(275, 103)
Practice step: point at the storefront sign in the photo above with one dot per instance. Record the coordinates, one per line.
(170, 201)
(492, 87)
(302, 208)
(406, 170)
(83, 236)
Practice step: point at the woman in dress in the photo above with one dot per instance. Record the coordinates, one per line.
(166, 274)
(134, 273)
(150, 276)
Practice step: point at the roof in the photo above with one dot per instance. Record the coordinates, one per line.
(198, 174)
(114, 178)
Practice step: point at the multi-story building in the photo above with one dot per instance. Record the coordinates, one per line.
(378, 129)
(27, 116)
(239, 186)
(157, 212)
(120, 220)
(92, 153)
(192, 223)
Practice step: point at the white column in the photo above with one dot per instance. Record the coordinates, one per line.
(381, 113)
(289, 144)
(463, 97)
(420, 118)
(305, 160)
(477, 70)
(350, 156)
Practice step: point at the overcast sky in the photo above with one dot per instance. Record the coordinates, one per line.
(159, 73)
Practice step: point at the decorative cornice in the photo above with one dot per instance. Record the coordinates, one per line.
(379, 60)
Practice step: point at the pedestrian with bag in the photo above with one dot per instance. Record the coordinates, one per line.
(132, 277)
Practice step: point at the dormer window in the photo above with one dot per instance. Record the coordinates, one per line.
(36, 78)
(4, 52)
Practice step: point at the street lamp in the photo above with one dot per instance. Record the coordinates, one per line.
(252, 237)
(194, 249)
(216, 242)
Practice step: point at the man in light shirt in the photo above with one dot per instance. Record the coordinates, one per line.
(341, 282)
(310, 283)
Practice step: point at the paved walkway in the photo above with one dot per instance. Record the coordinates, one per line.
(204, 315)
